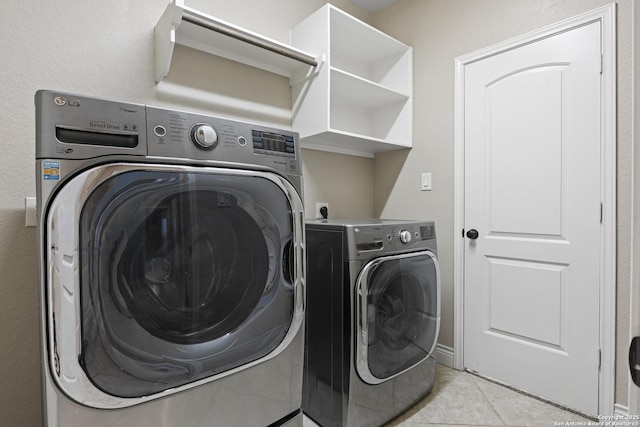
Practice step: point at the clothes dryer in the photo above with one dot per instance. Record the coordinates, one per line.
(373, 317)
(171, 268)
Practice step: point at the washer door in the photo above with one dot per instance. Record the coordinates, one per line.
(186, 274)
(398, 306)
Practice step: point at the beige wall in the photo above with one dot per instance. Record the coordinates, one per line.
(345, 182)
(106, 49)
(440, 31)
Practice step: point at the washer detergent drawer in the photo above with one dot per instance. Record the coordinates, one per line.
(398, 314)
(161, 278)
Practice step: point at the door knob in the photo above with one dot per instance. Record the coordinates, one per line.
(473, 234)
(633, 360)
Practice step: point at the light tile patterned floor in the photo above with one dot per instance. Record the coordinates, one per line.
(462, 399)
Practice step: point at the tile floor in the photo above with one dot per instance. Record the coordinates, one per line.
(462, 399)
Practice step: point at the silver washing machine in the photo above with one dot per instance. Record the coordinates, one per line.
(373, 317)
(171, 268)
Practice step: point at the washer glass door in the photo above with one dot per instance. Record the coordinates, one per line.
(398, 306)
(186, 274)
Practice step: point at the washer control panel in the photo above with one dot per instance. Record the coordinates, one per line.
(178, 134)
(78, 127)
(273, 143)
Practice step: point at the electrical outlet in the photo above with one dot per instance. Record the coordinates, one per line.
(30, 212)
(320, 205)
(425, 184)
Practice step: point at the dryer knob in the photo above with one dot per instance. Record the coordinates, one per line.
(405, 236)
(204, 136)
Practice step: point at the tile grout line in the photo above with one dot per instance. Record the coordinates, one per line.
(488, 401)
(533, 396)
(461, 374)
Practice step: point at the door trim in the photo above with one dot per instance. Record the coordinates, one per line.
(634, 306)
(606, 16)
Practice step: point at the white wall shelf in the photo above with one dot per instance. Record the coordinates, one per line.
(182, 25)
(361, 102)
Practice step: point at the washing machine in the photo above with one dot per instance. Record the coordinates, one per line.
(373, 317)
(172, 259)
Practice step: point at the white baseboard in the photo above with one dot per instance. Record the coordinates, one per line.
(444, 355)
(618, 409)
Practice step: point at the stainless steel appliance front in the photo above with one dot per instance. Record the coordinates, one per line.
(172, 266)
(373, 318)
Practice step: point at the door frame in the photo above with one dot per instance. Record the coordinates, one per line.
(634, 306)
(606, 16)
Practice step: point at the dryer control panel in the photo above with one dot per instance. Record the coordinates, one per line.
(392, 236)
(370, 238)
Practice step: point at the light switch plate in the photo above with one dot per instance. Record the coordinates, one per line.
(425, 184)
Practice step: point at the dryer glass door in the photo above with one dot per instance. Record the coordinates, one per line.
(398, 305)
(186, 274)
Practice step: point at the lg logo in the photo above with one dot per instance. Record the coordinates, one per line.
(61, 101)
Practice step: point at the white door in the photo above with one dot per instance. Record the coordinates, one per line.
(532, 193)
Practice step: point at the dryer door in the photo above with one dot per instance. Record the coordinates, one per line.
(185, 275)
(398, 306)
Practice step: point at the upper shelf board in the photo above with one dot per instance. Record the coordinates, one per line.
(182, 25)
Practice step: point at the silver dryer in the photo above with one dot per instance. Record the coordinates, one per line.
(373, 318)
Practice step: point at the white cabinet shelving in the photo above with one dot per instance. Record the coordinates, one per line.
(182, 25)
(360, 103)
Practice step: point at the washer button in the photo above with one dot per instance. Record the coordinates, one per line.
(242, 140)
(160, 131)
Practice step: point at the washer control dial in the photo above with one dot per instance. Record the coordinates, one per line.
(204, 136)
(405, 236)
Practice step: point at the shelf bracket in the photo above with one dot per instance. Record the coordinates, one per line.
(165, 39)
(320, 61)
(182, 25)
